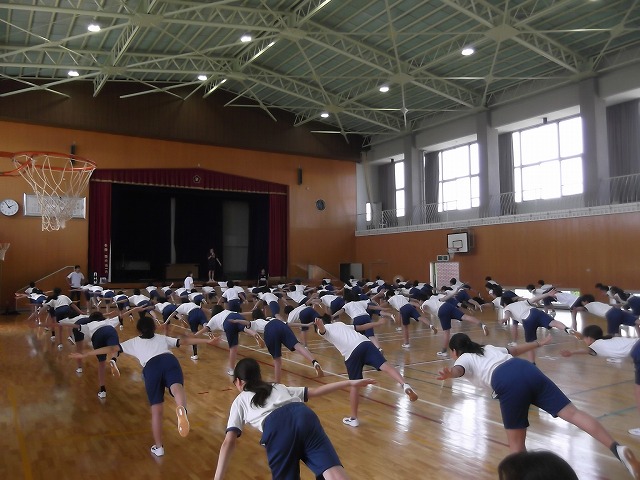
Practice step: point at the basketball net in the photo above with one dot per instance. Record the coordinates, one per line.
(58, 181)
(3, 249)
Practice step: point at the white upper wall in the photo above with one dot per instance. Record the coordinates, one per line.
(615, 87)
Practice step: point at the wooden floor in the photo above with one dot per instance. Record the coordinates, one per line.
(54, 426)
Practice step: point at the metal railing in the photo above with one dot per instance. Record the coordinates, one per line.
(622, 192)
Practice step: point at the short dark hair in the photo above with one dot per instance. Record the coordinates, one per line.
(535, 465)
(146, 326)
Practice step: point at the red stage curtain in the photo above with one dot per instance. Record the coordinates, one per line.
(278, 229)
(99, 228)
(100, 206)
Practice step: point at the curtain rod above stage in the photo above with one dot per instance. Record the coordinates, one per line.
(197, 178)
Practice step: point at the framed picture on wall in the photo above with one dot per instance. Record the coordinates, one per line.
(32, 207)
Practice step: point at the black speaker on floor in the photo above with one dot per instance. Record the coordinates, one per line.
(299, 176)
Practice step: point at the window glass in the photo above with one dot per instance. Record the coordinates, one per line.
(571, 171)
(400, 203)
(459, 182)
(539, 144)
(547, 161)
(474, 159)
(570, 132)
(399, 174)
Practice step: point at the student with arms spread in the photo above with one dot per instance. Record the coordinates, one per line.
(518, 384)
(291, 432)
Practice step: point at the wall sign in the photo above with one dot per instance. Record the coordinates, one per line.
(32, 207)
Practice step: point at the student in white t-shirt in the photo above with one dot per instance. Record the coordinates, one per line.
(518, 384)
(614, 348)
(291, 431)
(358, 351)
(75, 279)
(160, 370)
(188, 281)
(614, 316)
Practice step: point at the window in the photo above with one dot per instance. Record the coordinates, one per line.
(459, 178)
(548, 160)
(399, 180)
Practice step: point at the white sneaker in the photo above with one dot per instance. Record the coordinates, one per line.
(102, 394)
(405, 345)
(511, 344)
(485, 330)
(318, 368)
(157, 451)
(442, 354)
(413, 396)
(115, 371)
(79, 370)
(121, 327)
(59, 346)
(634, 431)
(614, 360)
(71, 340)
(53, 338)
(230, 372)
(194, 357)
(433, 328)
(629, 460)
(352, 422)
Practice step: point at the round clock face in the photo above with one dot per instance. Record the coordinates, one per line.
(8, 207)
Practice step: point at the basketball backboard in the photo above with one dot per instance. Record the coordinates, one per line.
(458, 242)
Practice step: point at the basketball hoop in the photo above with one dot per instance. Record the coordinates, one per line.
(452, 252)
(58, 180)
(3, 249)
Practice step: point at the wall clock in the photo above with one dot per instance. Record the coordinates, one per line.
(9, 207)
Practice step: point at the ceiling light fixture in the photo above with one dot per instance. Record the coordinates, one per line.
(324, 115)
(73, 73)
(93, 27)
(466, 51)
(384, 88)
(202, 78)
(245, 38)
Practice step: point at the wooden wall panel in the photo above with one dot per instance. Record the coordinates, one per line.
(575, 252)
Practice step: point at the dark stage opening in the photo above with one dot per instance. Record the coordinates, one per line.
(153, 228)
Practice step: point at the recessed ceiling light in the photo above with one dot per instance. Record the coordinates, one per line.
(73, 73)
(384, 88)
(324, 115)
(93, 27)
(202, 78)
(245, 38)
(467, 51)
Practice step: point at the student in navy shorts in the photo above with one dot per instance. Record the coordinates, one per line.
(518, 384)
(291, 431)
(278, 333)
(160, 370)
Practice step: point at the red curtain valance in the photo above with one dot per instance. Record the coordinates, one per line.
(187, 178)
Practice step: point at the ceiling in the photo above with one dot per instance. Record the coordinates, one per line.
(313, 56)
